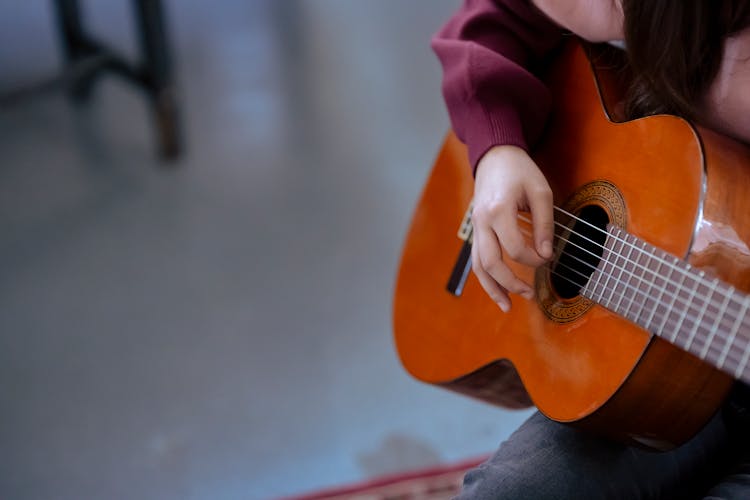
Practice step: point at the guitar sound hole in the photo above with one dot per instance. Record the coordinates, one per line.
(581, 252)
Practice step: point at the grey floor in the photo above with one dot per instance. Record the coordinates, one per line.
(220, 330)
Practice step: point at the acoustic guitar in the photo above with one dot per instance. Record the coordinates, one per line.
(641, 321)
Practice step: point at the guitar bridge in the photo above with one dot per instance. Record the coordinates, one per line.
(460, 272)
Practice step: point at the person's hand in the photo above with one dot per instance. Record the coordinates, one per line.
(508, 181)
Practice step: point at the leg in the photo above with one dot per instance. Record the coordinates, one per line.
(547, 460)
(736, 484)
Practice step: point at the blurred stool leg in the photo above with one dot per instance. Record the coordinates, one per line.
(76, 47)
(158, 75)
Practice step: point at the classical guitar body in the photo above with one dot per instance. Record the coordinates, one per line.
(660, 180)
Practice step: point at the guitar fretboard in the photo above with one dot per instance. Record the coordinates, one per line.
(670, 298)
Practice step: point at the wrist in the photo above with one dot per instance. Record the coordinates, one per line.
(503, 154)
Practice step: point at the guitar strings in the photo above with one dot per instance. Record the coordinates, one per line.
(666, 320)
(625, 273)
(674, 295)
(699, 280)
(669, 322)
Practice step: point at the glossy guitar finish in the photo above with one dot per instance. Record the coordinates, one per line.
(683, 191)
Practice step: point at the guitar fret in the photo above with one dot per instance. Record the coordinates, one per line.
(594, 284)
(619, 283)
(715, 328)
(638, 273)
(668, 309)
(662, 289)
(678, 302)
(605, 272)
(630, 287)
(735, 328)
(611, 267)
(600, 286)
(687, 303)
(746, 354)
(701, 313)
(593, 287)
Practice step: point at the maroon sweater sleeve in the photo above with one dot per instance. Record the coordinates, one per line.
(488, 49)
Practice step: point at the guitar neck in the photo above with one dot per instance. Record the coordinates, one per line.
(670, 298)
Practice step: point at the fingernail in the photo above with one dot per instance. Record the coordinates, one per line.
(504, 306)
(546, 249)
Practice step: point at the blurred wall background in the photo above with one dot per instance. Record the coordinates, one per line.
(219, 328)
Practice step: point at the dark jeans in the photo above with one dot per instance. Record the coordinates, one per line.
(547, 460)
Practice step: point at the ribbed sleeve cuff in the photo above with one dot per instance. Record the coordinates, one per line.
(489, 127)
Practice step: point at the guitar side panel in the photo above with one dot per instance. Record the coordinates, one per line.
(497, 383)
(722, 239)
(667, 399)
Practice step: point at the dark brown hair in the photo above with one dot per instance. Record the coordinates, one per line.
(675, 49)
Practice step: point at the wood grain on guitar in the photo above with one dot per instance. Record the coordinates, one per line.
(638, 366)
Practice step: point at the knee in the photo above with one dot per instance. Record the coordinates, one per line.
(492, 482)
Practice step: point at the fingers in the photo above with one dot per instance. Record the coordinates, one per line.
(505, 225)
(540, 203)
(497, 293)
(494, 275)
(507, 180)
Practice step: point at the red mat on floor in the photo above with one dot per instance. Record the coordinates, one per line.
(435, 483)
